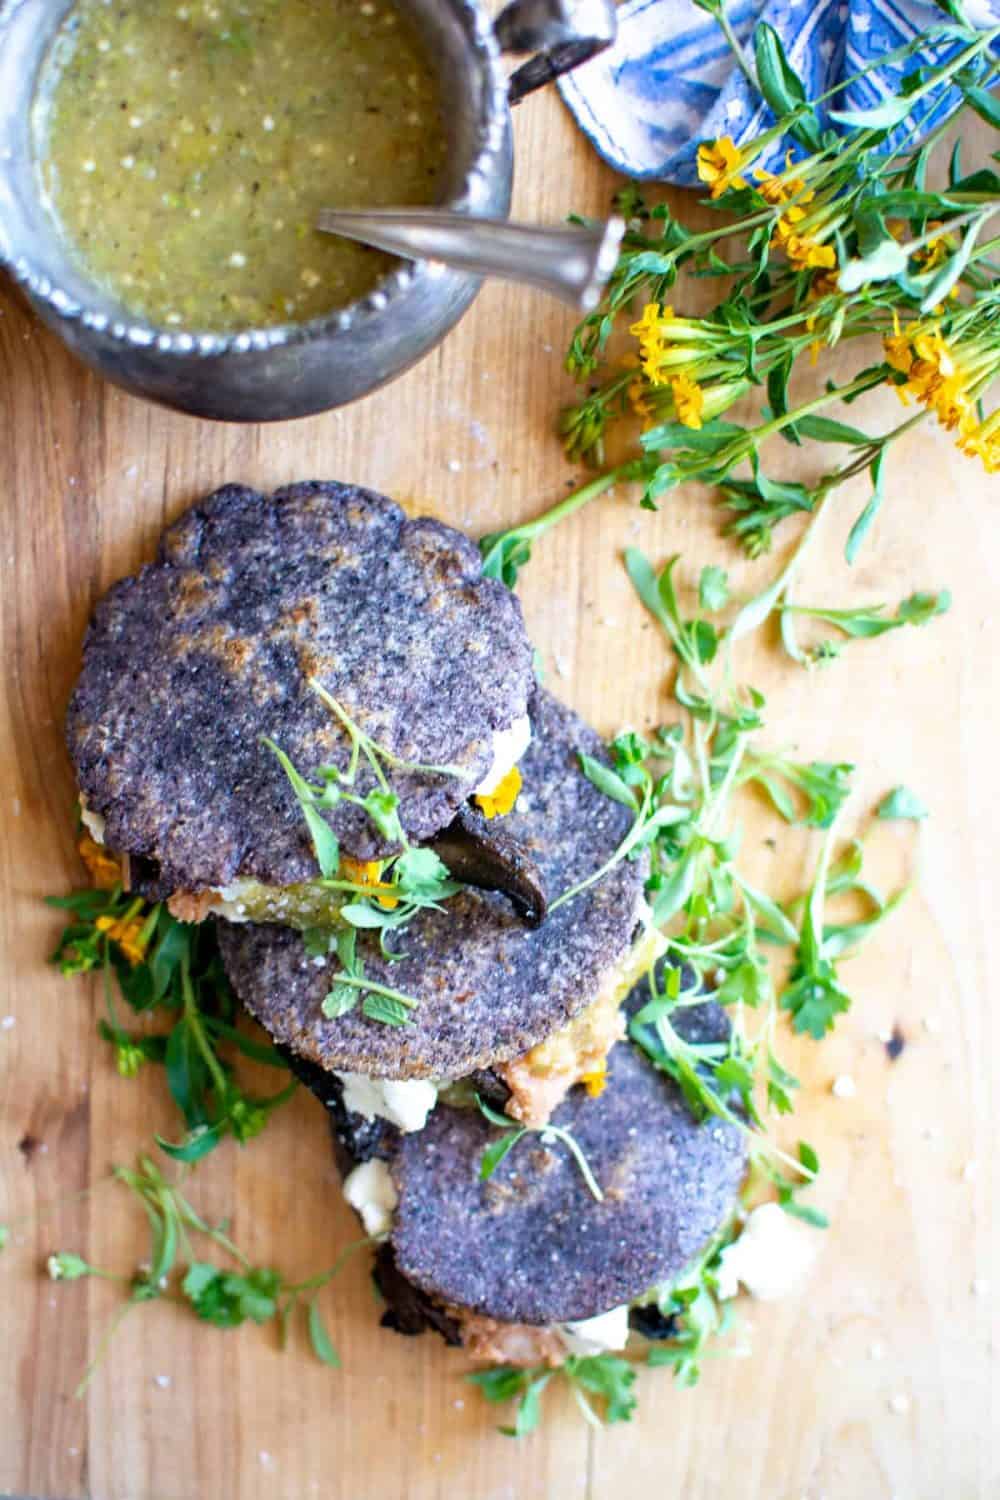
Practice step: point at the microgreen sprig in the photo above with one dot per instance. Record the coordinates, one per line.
(334, 786)
(513, 1133)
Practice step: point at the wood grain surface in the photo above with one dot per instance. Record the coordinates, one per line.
(878, 1381)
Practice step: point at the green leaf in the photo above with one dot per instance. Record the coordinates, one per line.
(901, 803)
(844, 937)
(921, 607)
(609, 1377)
(814, 999)
(324, 840)
(802, 1211)
(188, 1077)
(954, 266)
(863, 524)
(775, 919)
(173, 946)
(672, 891)
(325, 844)
(644, 581)
(504, 554)
(529, 1409)
(607, 781)
(826, 430)
(340, 1000)
(320, 1339)
(387, 1009)
(781, 85)
(703, 639)
(887, 260)
(4, 1236)
(496, 1151)
(885, 116)
(710, 438)
(317, 942)
(871, 620)
(261, 1052)
(500, 1383)
(228, 1299)
(382, 808)
(421, 875)
(200, 1142)
(825, 785)
(808, 1157)
(985, 104)
(741, 986)
(713, 588)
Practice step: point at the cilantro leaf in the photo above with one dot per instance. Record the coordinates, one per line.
(227, 1298)
(814, 998)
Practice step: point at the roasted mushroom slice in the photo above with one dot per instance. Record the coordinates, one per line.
(480, 854)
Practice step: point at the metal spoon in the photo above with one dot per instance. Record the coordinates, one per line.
(570, 261)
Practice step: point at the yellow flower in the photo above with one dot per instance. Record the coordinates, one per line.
(689, 399)
(649, 323)
(983, 441)
(804, 252)
(937, 250)
(897, 348)
(105, 872)
(127, 934)
(639, 399)
(596, 1080)
(719, 164)
(933, 374)
(826, 284)
(807, 254)
(499, 802)
(369, 874)
(779, 189)
(649, 333)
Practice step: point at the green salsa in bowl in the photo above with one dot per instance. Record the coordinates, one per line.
(186, 148)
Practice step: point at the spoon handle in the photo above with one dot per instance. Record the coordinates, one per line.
(570, 261)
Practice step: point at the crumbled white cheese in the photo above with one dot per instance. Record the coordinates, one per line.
(843, 1087)
(772, 1257)
(405, 1103)
(370, 1191)
(93, 822)
(596, 1335)
(508, 746)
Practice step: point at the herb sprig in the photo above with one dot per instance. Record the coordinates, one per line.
(225, 1295)
(163, 967)
(513, 1134)
(391, 891)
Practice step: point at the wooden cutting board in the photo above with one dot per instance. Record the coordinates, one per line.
(877, 1380)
